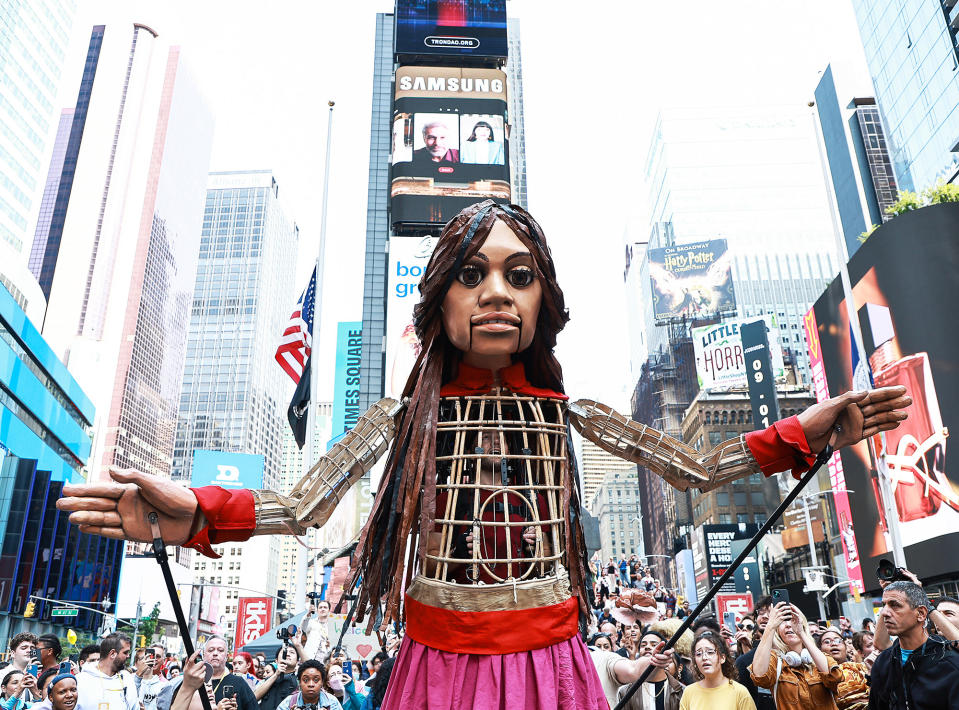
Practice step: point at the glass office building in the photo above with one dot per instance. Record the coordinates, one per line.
(753, 177)
(234, 395)
(45, 440)
(33, 43)
(911, 50)
(121, 249)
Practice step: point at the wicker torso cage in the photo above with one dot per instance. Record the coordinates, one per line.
(502, 486)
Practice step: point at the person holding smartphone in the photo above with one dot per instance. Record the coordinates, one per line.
(149, 684)
(788, 661)
(21, 653)
(280, 684)
(14, 695)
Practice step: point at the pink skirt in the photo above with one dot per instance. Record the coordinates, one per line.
(559, 677)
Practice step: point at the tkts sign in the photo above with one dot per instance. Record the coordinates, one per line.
(254, 617)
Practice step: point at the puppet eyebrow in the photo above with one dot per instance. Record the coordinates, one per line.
(517, 255)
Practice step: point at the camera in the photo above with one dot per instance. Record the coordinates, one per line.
(313, 595)
(888, 572)
(285, 633)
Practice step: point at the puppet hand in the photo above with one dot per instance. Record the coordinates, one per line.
(854, 416)
(119, 510)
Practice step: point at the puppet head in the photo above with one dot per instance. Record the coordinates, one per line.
(453, 267)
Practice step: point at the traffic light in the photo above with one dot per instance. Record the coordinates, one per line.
(281, 600)
(31, 609)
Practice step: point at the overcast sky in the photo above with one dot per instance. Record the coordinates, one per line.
(595, 74)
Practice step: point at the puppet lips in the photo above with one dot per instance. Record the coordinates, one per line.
(496, 322)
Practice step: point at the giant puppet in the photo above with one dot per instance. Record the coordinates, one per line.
(475, 539)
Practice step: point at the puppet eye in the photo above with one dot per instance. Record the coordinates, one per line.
(521, 277)
(469, 276)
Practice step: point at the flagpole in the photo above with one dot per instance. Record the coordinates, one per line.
(309, 454)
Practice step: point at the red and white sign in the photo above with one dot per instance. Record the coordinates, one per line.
(254, 618)
(837, 477)
(740, 604)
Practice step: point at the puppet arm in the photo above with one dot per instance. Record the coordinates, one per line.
(315, 497)
(779, 448)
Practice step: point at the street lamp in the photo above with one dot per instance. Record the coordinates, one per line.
(812, 542)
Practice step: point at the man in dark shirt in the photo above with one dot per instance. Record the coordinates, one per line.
(278, 686)
(762, 697)
(919, 671)
(436, 150)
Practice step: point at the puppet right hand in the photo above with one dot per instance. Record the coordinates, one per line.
(119, 509)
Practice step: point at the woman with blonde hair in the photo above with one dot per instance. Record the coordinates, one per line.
(788, 662)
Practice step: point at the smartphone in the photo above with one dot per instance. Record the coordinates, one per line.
(38, 655)
(228, 691)
(780, 595)
(33, 669)
(729, 618)
(65, 667)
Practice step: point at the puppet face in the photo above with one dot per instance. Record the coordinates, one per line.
(491, 308)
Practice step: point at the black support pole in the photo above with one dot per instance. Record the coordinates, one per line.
(821, 459)
(159, 553)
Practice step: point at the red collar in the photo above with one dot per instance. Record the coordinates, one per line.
(474, 380)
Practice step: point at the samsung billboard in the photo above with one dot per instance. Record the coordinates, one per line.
(450, 144)
(460, 28)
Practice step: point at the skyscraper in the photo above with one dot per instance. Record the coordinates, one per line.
(913, 57)
(517, 136)
(860, 171)
(596, 463)
(753, 177)
(121, 249)
(377, 217)
(378, 232)
(33, 43)
(234, 395)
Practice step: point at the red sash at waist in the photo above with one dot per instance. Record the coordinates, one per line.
(491, 632)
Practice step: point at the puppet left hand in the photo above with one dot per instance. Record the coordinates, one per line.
(854, 416)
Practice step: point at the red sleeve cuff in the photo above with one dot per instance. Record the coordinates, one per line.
(230, 517)
(781, 447)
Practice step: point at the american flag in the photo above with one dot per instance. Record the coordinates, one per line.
(296, 342)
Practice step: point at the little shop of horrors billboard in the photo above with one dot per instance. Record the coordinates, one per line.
(904, 291)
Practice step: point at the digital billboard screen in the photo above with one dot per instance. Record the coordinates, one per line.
(904, 286)
(450, 144)
(691, 280)
(409, 257)
(227, 469)
(464, 28)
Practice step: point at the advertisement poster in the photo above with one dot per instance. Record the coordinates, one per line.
(719, 353)
(227, 469)
(450, 143)
(739, 604)
(904, 287)
(346, 376)
(253, 619)
(691, 280)
(408, 259)
(471, 28)
(715, 553)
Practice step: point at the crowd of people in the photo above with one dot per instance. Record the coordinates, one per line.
(774, 658)
(306, 674)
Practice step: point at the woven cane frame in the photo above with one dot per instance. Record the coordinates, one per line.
(527, 436)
